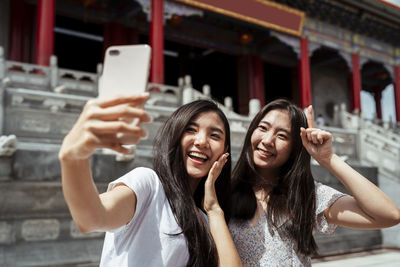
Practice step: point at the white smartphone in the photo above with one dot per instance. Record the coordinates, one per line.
(125, 71)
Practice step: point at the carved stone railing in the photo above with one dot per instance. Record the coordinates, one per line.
(45, 117)
(76, 82)
(8, 145)
(50, 78)
(42, 103)
(381, 150)
(27, 75)
(345, 142)
(79, 83)
(164, 95)
(378, 146)
(356, 120)
(40, 116)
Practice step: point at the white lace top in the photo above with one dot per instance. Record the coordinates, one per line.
(257, 247)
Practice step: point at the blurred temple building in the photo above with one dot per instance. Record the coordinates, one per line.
(242, 54)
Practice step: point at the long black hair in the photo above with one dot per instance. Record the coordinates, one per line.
(168, 164)
(292, 198)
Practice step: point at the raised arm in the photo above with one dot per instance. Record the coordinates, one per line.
(367, 207)
(97, 127)
(227, 253)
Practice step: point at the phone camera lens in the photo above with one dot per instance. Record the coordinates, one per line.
(114, 52)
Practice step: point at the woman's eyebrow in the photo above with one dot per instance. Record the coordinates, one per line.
(279, 129)
(216, 129)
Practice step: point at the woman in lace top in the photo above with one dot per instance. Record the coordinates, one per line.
(276, 205)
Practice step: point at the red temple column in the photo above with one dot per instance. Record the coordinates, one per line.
(114, 34)
(132, 36)
(304, 71)
(397, 91)
(17, 8)
(243, 84)
(378, 106)
(256, 79)
(157, 42)
(355, 82)
(45, 31)
(250, 79)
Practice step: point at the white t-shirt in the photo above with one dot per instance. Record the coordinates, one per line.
(144, 241)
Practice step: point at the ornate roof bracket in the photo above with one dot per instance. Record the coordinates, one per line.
(345, 42)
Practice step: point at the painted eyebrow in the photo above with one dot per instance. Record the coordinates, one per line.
(213, 129)
(279, 129)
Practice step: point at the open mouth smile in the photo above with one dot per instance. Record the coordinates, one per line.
(198, 157)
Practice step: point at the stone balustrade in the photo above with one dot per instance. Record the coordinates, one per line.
(345, 142)
(37, 116)
(76, 82)
(8, 145)
(380, 150)
(377, 145)
(164, 95)
(27, 75)
(50, 78)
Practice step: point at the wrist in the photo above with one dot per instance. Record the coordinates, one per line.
(66, 158)
(217, 211)
(327, 162)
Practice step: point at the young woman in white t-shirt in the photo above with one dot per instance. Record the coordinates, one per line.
(154, 217)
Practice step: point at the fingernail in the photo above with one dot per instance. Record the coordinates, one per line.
(145, 94)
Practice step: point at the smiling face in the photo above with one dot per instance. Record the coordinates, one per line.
(271, 142)
(202, 143)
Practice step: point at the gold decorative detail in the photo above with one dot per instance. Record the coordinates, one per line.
(355, 38)
(269, 25)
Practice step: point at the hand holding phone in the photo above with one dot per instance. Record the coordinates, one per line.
(126, 71)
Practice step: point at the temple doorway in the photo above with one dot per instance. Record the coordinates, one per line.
(206, 66)
(278, 82)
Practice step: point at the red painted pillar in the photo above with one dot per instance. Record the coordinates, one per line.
(304, 71)
(132, 36)
(17, 9)
(157, 42)
(243, 84)
(114, 34)
(256, 79)
(45, 31)
(397, 91)
(355, 82)
(378, 106)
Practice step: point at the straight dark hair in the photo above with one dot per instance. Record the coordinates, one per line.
(291, 205)
(168, 164)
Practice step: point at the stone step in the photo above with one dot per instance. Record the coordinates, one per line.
(52, 253)
(346, 239)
